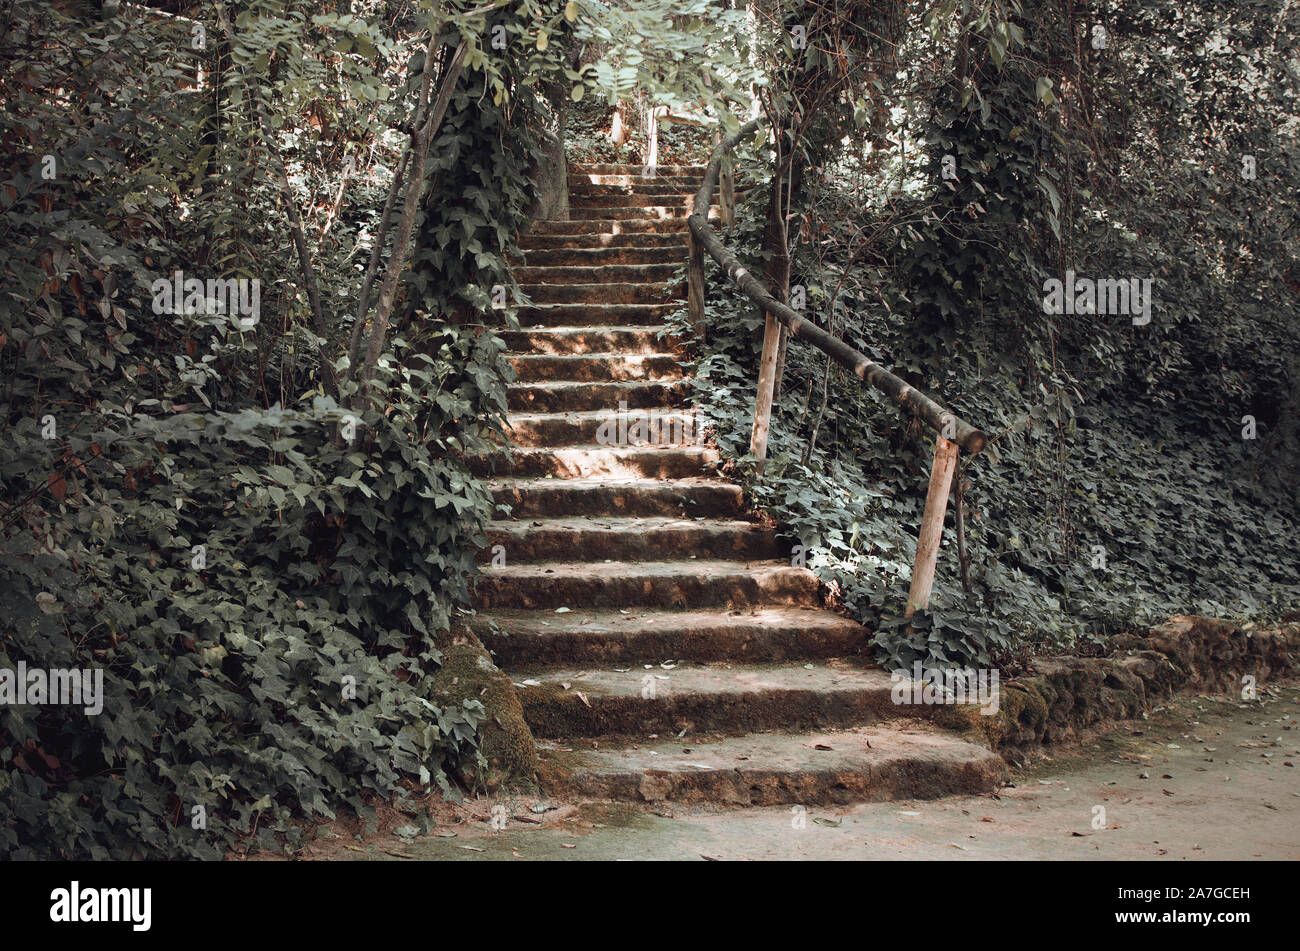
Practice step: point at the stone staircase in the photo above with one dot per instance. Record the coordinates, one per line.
(664, 646)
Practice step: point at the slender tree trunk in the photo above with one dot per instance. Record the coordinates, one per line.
(422, 136)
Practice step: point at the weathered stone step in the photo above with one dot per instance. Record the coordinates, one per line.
(596, 315)
(642, 171)
(562, 397)
(628, 339)
(580, 180)
(582, 186)
(590, 228)
(658, 426)
(631, 539)
(610, 198)
(595, 257)
(602, 293)
(583, 241)
(533, 367)
(534, 498)
(586, 213)
(866, 764)
(662, 584)
(587, 462)
(712, 698)
(639, 636)
(601, 274)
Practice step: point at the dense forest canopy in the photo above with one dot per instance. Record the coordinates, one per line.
(256, 256)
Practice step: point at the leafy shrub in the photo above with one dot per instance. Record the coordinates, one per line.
(1110, 440)
(259, 572)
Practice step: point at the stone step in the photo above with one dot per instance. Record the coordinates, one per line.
(597, 257)
(865, 764)
(596, 315)
(607, 274)
(585, 241)
(642, 171)
(591, 228)
(610, 198)
(590, 461)
(704, 698)
(581, 180)
(595, 367)
(561, 397)
(677, 585)
(611, 427)
(626, 339)
(583, 187)
(639, 636)
(631, 539)
(602, 293)
(683, 498)
(585, 213)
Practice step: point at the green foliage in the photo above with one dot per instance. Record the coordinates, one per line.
(676, 53)
(1107, 434)
(235, 552)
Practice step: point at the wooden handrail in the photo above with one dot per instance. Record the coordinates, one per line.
(904, 394)
(953, 431)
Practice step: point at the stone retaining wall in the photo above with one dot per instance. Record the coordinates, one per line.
(1066, 695)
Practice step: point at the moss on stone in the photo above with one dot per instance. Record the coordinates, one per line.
(1069, 694)
(1021, 716)
(505, 740)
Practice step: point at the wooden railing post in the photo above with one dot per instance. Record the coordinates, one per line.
(652, 143)
(927, 545)
(695, 288)
(766, 385)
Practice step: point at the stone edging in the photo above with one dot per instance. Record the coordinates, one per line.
(1065, 695)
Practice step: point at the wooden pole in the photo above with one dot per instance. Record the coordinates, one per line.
(695, 287)
(963, 556)
(927, 545)
(766, 384)
(652, 137)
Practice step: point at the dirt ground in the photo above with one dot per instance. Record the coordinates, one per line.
(1200, 778)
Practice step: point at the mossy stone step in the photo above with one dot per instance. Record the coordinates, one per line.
(686, 498)
(630, 539)
(703, 698)
(866, 764)
(621, 638)
(567, 396)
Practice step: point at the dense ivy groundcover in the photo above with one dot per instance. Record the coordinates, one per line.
(1141, 464)
(258, 565)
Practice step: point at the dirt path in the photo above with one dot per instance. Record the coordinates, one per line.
(1201, 778)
